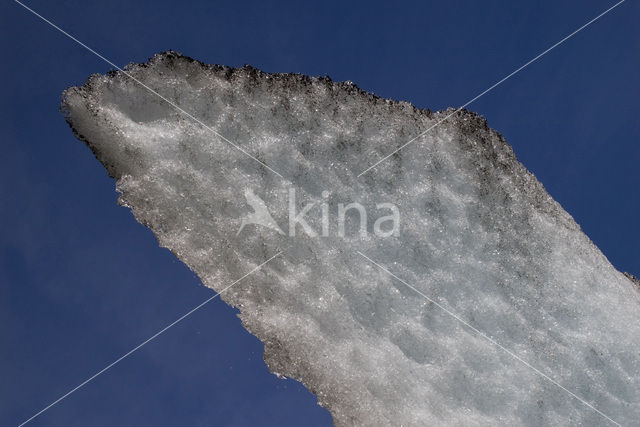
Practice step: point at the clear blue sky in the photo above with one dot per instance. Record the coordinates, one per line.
(81, 282)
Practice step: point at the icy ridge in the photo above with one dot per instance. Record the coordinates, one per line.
(478, 234)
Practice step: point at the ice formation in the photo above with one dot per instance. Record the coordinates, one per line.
(478, 234)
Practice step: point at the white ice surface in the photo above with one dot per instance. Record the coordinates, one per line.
(478, 234)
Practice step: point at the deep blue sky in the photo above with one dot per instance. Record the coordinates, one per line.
(81, 282)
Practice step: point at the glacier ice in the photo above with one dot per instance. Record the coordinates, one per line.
(478, 236)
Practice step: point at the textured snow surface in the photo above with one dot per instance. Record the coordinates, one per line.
(478, 234)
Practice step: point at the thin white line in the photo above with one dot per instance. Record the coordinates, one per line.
(491, 340)
(540, 55)
(124, 356)
(146, 87)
